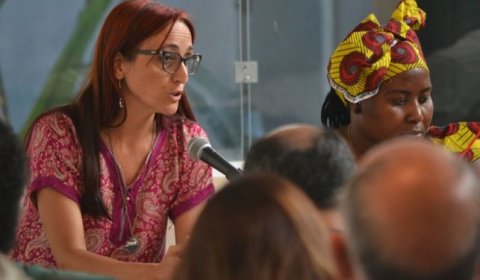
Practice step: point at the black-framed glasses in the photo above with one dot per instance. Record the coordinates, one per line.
(171, 61)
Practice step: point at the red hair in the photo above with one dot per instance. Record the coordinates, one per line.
(96, 105)
(126, 27)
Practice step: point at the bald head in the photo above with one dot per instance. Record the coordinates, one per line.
(415, 207)
(296, 136)
(315, 159)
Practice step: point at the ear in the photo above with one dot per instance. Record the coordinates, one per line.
(345, 269)
(118, 66)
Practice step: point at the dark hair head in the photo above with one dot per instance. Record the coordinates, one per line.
(334, 113)
(319, 169)
(13, 176)
(258, 227)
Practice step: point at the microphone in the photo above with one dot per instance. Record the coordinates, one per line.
(199, 148)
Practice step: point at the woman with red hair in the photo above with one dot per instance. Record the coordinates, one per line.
(110, 168)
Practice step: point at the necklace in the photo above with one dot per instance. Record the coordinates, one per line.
(133, 243)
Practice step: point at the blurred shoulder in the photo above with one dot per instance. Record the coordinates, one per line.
(458, 137)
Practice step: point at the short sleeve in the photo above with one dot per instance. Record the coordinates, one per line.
(461, 138)
(195, 177)
(54, 156)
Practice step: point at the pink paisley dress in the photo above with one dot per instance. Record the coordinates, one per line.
(169, 184)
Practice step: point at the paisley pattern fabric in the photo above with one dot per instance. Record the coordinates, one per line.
(371, 53)
(461, 138)
(169, 184)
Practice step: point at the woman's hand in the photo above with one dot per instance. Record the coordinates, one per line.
(168, 267)
(62, 222)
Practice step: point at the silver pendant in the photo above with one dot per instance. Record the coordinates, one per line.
(132, 245)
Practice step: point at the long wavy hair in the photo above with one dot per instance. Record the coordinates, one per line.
(96, 105)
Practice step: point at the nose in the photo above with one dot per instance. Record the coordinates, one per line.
(415, 113)
(181, 75)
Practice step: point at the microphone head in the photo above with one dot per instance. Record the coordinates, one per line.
(196, 146)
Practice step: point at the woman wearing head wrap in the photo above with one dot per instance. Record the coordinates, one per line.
(381, 87)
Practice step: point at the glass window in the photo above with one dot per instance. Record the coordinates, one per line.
(43, 59)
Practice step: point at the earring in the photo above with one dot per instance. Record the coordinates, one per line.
(119, 83)
(121, 104)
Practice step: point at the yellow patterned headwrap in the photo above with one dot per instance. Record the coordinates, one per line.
(371, 53)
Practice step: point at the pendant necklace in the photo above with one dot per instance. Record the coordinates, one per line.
(133, 243)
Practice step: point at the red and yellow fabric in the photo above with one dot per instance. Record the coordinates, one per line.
(371, 53)
(461, 138)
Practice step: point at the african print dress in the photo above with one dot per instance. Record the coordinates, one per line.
(461, 138)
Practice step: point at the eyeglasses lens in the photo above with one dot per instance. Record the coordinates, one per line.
(171, 62)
